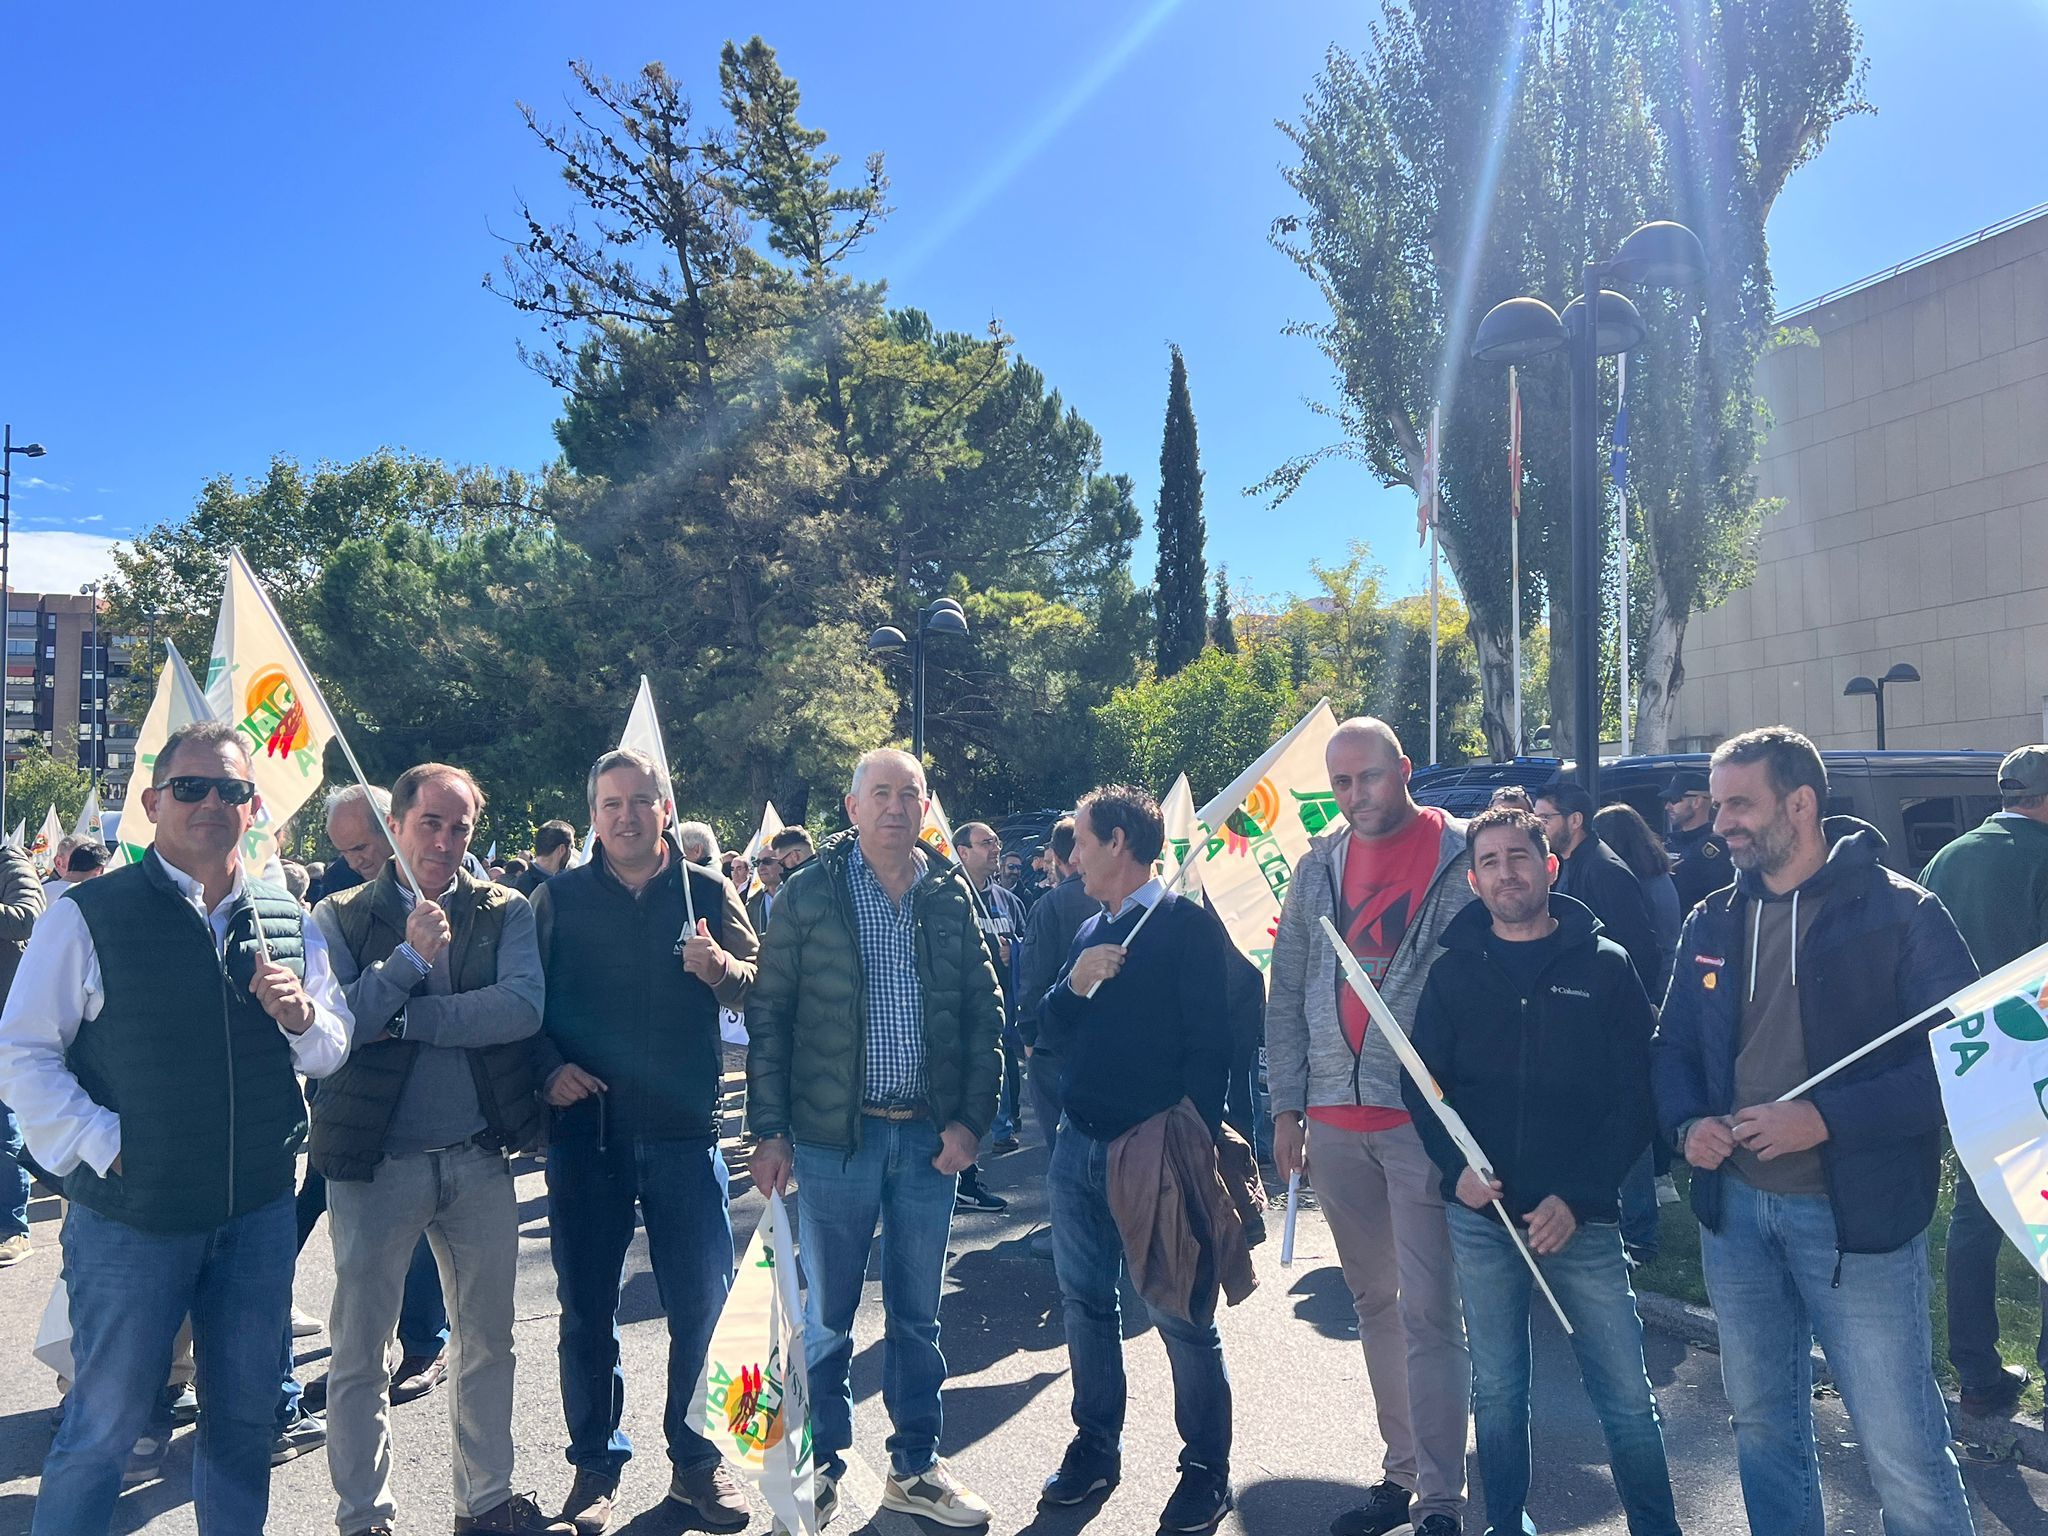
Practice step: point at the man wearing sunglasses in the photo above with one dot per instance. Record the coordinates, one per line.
(413, 1136)
(149, 1045)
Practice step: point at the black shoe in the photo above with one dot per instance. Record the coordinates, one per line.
(1385, 1509)
(1080, 1475)
(181, 1401)
(1198, 1504)
(1999, 1397)
(972, 1197)
(1004, 1145)
(313, 1396)
(1439, 1525)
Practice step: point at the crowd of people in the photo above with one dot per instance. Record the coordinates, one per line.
(1596, 1003)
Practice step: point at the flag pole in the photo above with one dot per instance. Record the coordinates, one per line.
(1453, 1123)
(1435, 475)
(334, 724)
(1621, 519)
(1515, 544)
(1145, 916)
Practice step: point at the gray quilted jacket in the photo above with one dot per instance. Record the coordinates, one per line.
(1308, 1059)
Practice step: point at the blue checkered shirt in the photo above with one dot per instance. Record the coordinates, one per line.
(888, 962)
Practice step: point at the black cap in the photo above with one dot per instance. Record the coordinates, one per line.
(1687, 781)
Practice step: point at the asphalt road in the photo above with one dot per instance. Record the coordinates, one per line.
(1305, 1443)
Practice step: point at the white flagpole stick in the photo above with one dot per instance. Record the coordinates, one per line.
(1452, 1121)
(1293, 1210)
(1515, 543)
(1146, 916)
(2028, 970)
(1621, 519)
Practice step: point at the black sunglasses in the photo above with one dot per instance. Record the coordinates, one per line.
(191, 788)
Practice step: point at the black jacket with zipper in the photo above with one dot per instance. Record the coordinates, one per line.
(1555, 1083)
(1596, 877)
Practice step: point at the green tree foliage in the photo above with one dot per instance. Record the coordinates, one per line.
(1208, 721)
(1482, 149)
(38, 781)
(1222, 629)
(1181, 593)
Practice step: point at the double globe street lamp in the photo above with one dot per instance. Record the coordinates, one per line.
(942, 617)
(1661, 255)
(1859, 687)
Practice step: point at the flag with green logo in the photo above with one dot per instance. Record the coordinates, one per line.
(1182, 832)
(1993, 1062)
(1257, 829)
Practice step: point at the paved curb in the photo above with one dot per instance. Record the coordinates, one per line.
(2018, 1437)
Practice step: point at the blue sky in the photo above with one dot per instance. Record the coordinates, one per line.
(240, 230)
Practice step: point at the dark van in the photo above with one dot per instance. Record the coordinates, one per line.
(1918, 800)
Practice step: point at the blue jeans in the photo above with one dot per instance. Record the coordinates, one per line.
(130, 1291)
(839, 1198)
(1975, 1241)
(1772, 1275)
(1590, 1277)
(1042, 1082)
(679, 1188)
(1639, 1218)
(13, 1178)
(1088, 1253)
(1008, 1108)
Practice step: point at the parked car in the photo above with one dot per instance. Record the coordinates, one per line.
(1918, 800)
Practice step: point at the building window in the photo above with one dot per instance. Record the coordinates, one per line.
(22, 647)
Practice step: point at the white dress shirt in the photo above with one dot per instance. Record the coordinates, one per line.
(58, 988)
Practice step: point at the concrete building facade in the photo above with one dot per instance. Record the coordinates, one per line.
(1910, 447)
(62, 665)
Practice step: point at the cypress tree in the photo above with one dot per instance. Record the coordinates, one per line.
(1221, 629)
(1182, 595)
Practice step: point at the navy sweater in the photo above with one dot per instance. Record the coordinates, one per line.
(1158, 1031)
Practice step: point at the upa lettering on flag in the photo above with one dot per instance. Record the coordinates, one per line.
(1257, 829)
(753, 1401)
(1993, 1065)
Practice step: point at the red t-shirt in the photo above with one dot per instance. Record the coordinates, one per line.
(1384, 886)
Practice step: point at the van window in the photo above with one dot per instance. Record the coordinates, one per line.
(1933, 823)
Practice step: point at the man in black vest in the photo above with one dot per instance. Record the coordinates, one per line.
(413, 1136)
(149, 1045)
(632, 1062)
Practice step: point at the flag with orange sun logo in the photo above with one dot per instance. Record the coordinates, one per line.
(1258, 828)
(259, 684)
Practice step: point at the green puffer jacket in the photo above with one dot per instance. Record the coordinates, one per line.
(807, 1015)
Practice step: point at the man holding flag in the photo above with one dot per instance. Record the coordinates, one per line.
(1994, 882)
(1814, 1210)
(1391, 877)
(637, 969)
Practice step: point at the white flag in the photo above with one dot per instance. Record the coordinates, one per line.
(1258, 828)
(178, 703)
(258, 683)
(20, 831)
(48, 836)
(87, 827)
(642, 734)
(771, 823)
(937, 832)
(753, 1400)
(1993, 1066)
(1182, 833)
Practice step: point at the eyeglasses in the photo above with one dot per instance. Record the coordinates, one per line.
(191, 788)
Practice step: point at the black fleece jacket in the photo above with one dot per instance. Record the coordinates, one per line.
(1554, 1083)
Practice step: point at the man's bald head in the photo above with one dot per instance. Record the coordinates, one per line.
(1369, 777)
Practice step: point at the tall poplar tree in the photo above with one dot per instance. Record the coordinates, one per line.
(1182, 594)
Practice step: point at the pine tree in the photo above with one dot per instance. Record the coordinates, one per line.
(1182, 595)
(1221, 629)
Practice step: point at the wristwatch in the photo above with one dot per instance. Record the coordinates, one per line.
(396, 1028)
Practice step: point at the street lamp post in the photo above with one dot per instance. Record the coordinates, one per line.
(27, 451)
(942, 617)
(1660, 254)
(1903, 672)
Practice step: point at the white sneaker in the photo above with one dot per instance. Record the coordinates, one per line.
(1667, 1191)
(305, 1324)
(937, 1495)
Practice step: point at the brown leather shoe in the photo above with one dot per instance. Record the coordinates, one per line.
(416, 1376)
(712, 1493)
(517, 1516)
(590, 1502)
